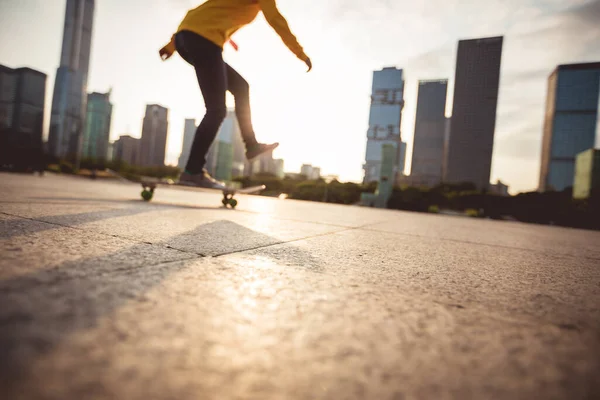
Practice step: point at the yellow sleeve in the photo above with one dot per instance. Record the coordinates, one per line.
(278, 22)
(168, 50)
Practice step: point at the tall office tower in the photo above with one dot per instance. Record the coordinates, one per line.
(97, 126)
(430, 127)
(189, 132)
(469, 152)
(571, 123)
(22, 102)
(67, 120)
(154, 136)
(387, 102)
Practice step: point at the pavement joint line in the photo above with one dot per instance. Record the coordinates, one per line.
(97, 232)
(344, 229)
(364, 227)
(288, 241)
(480, 244)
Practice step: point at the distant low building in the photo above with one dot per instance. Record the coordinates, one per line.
(316, 174)
(127, 149)
(499, 189)
(587, 173)
(263, 164)
(309, 172)
(306, 170)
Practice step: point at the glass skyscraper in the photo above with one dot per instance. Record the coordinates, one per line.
(387, 102)
(97, 126)
(571, 122)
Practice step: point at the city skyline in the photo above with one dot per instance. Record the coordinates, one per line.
(346, 66)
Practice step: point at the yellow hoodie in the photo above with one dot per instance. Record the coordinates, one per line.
(218, 20)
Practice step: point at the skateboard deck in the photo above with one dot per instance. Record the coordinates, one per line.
(149, 186)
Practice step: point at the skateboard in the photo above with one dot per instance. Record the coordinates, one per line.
(228, 193)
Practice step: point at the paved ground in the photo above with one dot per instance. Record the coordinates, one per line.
(105, 296)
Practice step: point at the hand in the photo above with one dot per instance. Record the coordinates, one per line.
(308, 63)
(164, 53)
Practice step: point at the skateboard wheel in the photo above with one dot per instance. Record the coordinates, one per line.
(147, 195)
(225, 202)
(233, 203)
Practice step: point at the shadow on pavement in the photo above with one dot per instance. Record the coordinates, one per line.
(23, 226)
(39, 310)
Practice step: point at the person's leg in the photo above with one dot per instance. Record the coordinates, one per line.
(207, 59)
(240, 90)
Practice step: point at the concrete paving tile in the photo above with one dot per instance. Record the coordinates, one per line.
(246, 327)
(37, 252)
(56, 215)
(209, 232)
(541, 238)
(563, 290)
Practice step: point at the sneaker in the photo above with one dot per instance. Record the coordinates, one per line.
(260, 148)
(203, 179)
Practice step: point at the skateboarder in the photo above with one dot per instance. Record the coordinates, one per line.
(199, 40)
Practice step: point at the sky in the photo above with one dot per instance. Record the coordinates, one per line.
(321, 117)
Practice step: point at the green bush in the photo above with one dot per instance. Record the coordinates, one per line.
(471, 212)
(434, 209)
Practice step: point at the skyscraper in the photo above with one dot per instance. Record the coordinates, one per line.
(387, 102)
(189, 131)
(154, 136)
(22, 102)
(469, 152)
(571, 122)
(67, 120)
(97, 126)
(430, 127)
